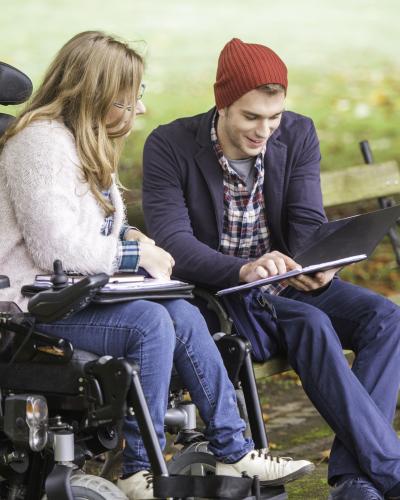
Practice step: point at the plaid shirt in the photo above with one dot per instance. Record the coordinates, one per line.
(245, 231)
(128, 254)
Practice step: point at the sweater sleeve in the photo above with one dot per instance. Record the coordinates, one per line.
(57, 214)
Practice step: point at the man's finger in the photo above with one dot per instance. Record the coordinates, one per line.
(289, 262)
(262, 273)
(298, 285)
(281, 265)
(271, 267)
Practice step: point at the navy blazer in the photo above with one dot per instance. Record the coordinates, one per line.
(183, 194)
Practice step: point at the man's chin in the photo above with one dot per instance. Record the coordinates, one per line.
(247, 151)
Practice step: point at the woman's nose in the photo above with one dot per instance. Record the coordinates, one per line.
(140, 108)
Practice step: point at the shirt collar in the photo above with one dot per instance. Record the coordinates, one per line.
(259, 160)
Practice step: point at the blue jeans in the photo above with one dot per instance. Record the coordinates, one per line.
(156, 335)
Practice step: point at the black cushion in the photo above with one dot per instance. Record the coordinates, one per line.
(15, 86)
(46, 378)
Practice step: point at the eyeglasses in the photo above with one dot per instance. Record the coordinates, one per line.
(128, 108)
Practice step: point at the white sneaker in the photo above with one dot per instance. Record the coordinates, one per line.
(139, 486)
(271, 470)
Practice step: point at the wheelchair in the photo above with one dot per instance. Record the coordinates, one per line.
(60, 407)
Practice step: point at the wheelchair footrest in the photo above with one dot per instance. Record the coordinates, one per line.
(216, 487)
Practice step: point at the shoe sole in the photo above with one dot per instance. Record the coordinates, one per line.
(307, 469)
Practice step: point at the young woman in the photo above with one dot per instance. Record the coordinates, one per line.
(59, 199)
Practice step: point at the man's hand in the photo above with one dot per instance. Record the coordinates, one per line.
(136, 235)
(156, 261)
(270, 264)
(308, 282)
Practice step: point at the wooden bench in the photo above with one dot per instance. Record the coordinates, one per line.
(360, 183)
(342, 187)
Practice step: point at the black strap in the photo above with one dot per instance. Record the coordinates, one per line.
(217, 487)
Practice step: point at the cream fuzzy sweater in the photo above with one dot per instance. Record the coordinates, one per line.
(47, 211)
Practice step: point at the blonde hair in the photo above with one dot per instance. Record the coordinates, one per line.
(80, 86)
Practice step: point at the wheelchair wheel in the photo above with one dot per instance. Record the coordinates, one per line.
(88, 487)
(193, 461)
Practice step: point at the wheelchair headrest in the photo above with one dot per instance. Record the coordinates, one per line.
(15, 86)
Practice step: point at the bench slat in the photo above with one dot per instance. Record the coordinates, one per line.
(280, 364)
(361, 182)
(271, 367)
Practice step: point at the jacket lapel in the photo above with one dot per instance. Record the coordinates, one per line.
(275, 165)
(210, 168)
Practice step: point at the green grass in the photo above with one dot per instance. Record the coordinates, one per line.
(342, 57)
(312, 434)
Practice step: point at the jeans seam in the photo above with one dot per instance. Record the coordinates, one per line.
(198, 374)
(98, 325)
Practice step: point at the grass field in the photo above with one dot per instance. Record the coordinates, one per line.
(342, 57)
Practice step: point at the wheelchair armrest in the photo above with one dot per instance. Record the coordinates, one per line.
(213, 304)
(115, 377)
(52, 305)
(233, 350)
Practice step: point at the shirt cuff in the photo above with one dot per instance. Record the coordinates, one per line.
(124, 229)
(128, 256)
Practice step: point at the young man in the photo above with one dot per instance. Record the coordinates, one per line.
(231, 194)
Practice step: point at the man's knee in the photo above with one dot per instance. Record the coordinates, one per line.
(382, 319)
(310, 327)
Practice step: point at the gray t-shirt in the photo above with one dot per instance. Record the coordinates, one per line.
(245, 170)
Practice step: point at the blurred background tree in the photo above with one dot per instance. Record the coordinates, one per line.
(342, 57)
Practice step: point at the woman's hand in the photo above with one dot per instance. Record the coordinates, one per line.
(136, 235)
(156, 261)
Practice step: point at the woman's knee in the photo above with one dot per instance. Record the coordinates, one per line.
(151, 321)
(184, 314)
(188, 322)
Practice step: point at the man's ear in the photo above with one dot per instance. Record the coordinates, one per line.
(223, 112)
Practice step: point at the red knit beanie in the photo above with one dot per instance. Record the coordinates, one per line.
(243, 67)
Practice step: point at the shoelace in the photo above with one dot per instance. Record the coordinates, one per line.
(149, 479)
(264, 453)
